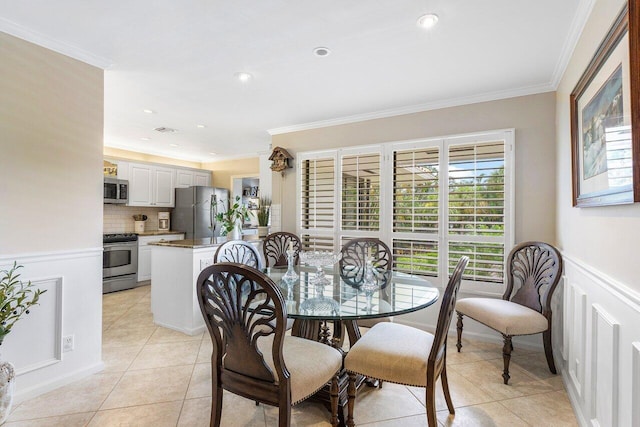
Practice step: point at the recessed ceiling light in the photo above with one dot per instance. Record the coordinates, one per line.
(148, 111)
(243, 76)
(201, 126)
(428, 21)
(321, 51)
(173, 145)
(144, 138)
(213, 154)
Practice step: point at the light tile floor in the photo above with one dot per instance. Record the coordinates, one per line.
(157, 377)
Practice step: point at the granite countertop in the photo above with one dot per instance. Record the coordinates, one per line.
(208, 242)
(159, 233)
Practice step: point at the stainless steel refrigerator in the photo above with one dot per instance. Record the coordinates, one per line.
(196, 208)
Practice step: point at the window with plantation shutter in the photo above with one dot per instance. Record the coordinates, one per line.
(415, 210)
(360, 192)
(431, 201)
(476, 208)
(317, 202)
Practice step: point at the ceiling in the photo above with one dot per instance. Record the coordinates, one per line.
(178, 59)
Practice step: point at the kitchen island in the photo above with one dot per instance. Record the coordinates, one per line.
(175, 266)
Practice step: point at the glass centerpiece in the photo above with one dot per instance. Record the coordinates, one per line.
(319, 304)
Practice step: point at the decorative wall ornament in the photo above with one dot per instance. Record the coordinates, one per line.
(280, 160)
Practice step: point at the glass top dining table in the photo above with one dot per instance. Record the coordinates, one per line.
(344, 298)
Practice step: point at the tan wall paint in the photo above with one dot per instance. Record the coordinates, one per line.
(51, 130)
(605, 238)
(133, 155)
(533, 118)
(225, 169)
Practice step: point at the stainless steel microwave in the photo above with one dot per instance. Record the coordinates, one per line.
(116, 190)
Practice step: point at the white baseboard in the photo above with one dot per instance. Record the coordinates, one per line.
(47, 386)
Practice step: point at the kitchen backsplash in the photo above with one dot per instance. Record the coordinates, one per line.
(119, 219)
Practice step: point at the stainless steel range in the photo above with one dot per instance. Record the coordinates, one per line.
(119, 262)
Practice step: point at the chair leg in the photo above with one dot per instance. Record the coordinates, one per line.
(548, 350)
(459, 344)
(351, 393)
(445, 389)
(506, 357)
(334, 401)
(284, 416)
(431, 405)
(216, 406)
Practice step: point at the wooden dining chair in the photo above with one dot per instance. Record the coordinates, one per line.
(533, 272)
(353, 260)
(238, 251)
(404, 355)
(275, 248)
(244, 311)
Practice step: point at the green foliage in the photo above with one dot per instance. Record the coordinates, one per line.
(235, 215)
(15, 299)
(264, 211)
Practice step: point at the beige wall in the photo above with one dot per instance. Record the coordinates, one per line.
(51, 130)
(533, 118)
(605, 238)
(133, 155)
(225, 169)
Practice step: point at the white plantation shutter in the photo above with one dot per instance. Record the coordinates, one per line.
(360, 192)
(476, 208)
(432, 201)
(317, 201)
(415, 212)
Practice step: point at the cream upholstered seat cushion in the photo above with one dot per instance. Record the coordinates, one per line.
(311, 364)
(504, 316)
(392, 352)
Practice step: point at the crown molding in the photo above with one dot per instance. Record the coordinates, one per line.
(575, 31)
(63, 48)
(418, 108)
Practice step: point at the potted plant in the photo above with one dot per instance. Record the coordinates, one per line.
(232, 219)
(16, 298)
(264, 211)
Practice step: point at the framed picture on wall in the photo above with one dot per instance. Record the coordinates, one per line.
(605, 119)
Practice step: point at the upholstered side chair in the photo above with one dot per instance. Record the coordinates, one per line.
(275, 248)
(405, 355)
(244, 311)
(533, 272)
(353, 260)
(238, 251)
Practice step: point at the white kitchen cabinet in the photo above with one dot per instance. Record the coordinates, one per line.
(144, 253)
(202, 178)
(186, 178)
(151, 185)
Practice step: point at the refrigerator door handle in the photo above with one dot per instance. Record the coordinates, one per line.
(213, 212)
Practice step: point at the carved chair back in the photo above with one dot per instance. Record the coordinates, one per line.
(533, 272)
(355, 253)
(275, 248)
(438, 348)
(240, 252)
(241, 305)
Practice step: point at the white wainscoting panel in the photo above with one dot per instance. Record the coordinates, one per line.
(45, 321)
(603, 347)
(72, 305)
(635, 388)
(604, 368)
(577, 337)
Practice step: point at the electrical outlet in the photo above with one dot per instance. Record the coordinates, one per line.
(67, 343)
